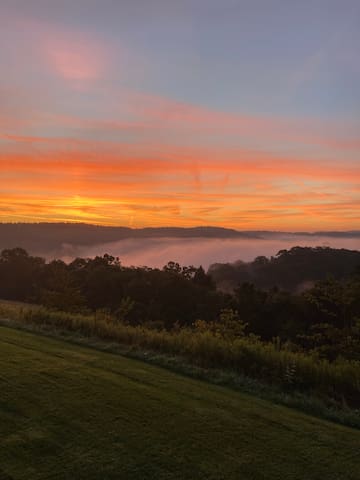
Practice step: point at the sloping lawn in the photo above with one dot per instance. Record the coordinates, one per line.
(70, 412)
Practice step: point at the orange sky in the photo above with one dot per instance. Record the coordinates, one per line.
(82, 139)
(245, 190)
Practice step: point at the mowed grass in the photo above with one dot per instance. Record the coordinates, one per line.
(71, 412)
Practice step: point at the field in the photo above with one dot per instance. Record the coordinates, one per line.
(71, 412)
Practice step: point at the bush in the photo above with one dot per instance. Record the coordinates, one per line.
(339, 380)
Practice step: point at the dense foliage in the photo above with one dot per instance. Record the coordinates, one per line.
(218, 345)
(294, 270)
(323, 320)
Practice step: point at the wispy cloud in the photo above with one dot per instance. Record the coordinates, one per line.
(75, 56)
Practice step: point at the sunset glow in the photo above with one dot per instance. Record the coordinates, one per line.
(162, 116)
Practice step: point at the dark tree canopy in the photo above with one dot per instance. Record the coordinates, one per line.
(324, 317)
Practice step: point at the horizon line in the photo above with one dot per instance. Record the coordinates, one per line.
(180, 227)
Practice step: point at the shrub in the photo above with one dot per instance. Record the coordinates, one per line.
(339, 380)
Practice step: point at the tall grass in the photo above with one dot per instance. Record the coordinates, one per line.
(292, 371)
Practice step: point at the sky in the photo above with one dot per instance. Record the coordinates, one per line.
(234, 113)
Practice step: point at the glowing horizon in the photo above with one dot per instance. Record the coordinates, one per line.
(180, 115)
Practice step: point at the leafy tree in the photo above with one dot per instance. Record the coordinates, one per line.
(60, 289)
(19, 274)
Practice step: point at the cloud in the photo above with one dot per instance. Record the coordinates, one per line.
(62, 179)
(92, 158)
(116, 155)
(75, 58)
(139, 203)
(168, 113)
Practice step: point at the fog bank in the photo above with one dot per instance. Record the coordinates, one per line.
(156, 252)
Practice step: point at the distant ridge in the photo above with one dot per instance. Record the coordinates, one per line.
(37, 237)
(50, 236)
(321, 233)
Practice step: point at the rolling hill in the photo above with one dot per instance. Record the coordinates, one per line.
(49, 237)
(40, 237)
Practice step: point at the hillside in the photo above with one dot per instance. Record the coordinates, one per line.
(69, 412)
(295, 269)
(40, 237)
(48, 237)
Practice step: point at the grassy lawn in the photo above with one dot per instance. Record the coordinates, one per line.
(70, 412)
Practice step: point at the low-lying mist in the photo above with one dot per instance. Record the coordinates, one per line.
(156, 252)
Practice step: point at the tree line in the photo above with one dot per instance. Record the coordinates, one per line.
(323, 319)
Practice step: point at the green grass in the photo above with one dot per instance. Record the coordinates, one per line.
(337, 382)
(70, 412)
(250, 367)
